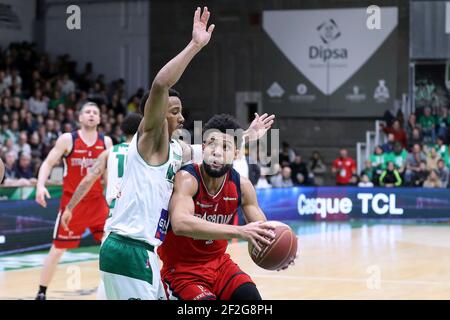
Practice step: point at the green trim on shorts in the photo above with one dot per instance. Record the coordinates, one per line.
(126, 257)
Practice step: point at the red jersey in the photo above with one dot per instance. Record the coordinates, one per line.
(219, 208)
(345, 168)
(77, 162)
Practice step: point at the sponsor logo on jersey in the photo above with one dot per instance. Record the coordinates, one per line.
(98, 147)
(216, 218)
(201, 205)
(163, 225)
(229, 199)
(79, 151)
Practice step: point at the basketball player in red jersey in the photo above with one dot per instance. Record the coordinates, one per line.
(204, 201)
(79, 151)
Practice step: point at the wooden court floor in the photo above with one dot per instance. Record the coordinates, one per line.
(335, 261)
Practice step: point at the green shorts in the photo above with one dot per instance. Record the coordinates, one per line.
(130, 269)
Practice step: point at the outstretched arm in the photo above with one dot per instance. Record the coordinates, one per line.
(156, 104)
(63, 144)
(184, 223)
(85, 185)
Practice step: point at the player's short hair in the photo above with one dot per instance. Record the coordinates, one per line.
(131, 123)
(223, 122)
(172, 93)
(89, 104)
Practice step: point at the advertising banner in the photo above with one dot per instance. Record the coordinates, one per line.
(329, 63)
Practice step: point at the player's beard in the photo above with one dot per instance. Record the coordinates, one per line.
(216, 173)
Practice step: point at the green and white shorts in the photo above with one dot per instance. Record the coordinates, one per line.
(130, 269)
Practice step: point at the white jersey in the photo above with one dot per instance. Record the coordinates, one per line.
(141, 207)
(117, 159)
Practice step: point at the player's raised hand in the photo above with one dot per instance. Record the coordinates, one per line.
(65, 219)
(41, 194)
(201, 34)
(259, 126)
(258, 233)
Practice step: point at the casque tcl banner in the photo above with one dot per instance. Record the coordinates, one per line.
(342, 203)
(329, 63)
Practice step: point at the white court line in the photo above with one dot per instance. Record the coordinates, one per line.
(440, 283)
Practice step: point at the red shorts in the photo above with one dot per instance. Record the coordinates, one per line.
(214, 280)
(90, 214)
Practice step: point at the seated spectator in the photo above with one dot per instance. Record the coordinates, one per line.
(317, 168)
(413, 163)
(282, 179)
(433, 180)
(24, 168)
(262, 181)
(390, 177)
(419, 176)
(389, 145)
(410, 125)
(432, 159)
(416, 138)
(377, 160)
(398, 157)
(287, 155)
(68, 86)
(22, 145)
(38, 104)
(365, 181)
(442, 148)
(10, 165)
(299, 171)
(442, 122)
(368, 170)
(443, 173)
(427, 124)
(397, 131)
(343, 168)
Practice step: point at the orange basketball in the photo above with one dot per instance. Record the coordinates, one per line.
(280, 252)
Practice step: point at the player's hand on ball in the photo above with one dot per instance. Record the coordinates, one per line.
(258, 233)
(41, 194)
(259, 126)
(200, 33)
(65, 219)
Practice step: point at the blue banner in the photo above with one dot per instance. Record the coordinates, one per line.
(342, 203)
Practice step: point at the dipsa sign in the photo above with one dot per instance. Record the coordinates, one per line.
(342, 203)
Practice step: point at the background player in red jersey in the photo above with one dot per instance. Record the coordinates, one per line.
(205, 199)
(79, 150)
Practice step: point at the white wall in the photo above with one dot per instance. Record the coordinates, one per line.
(114, 36)
(20, 29)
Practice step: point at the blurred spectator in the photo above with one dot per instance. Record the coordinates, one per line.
(343, 168)
(367, 170)
(413, 163)
(432, 159)
(397, 131)
(389, 145)
(419, 177)
(299, 171)
(398, 157)
(365, 181)
(24, 168)
(410, 125)
(282, 179)
(442, 122)
(377, 160)
(416, 138)
(38, 104)
(262, 181)
(443, 173)
(68, 86)
(287, 154)
(427, 124)
(318, 168)
(22, 146)
(10, 165)
(390, 177)
(433, 180)
(442, 149)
